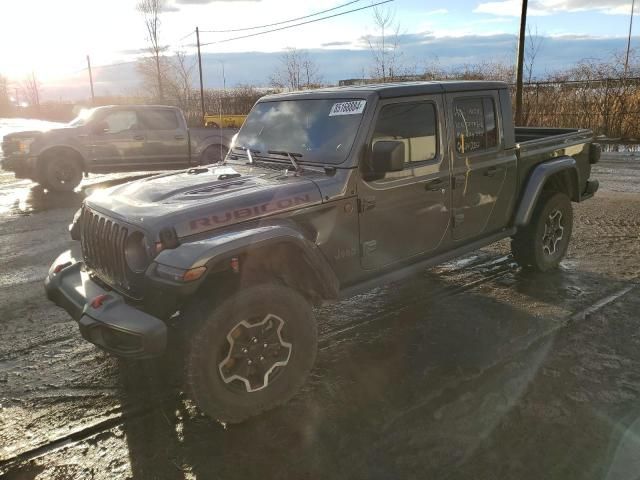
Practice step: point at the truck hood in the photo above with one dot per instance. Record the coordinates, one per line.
(45, 132)
(205, 198)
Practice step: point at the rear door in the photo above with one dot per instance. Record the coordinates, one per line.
(482, 172)
(406, 213)
(167, 140)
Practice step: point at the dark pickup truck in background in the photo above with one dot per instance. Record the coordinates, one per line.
(112, 139)
(323, 194)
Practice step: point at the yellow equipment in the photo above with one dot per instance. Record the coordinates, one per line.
(224, 121)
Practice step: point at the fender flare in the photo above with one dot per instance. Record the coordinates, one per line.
(209, 252)
(48, 148)
(537, 179)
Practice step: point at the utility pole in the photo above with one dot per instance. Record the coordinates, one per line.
(520, 67)
(626, 61)
(200, 71)
(93, 97)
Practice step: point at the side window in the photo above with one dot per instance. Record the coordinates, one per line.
(475, 124)
(414, 124)
(159, 119)
(121, 121)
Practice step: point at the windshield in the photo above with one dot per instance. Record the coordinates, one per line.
(82, 118)
(318, 131)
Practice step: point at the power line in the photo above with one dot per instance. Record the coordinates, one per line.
(282, 22)
(296, 24)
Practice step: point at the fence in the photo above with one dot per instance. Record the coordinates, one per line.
(610, 107)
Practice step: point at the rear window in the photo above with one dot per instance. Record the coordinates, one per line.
(475, 124)
(159, 119)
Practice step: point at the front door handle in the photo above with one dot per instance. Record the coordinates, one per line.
(434, 185)
(491, 171)
(179, 137)
(138, 137)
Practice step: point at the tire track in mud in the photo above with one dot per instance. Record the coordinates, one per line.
(503, 267)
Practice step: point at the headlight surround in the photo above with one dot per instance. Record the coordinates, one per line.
(135, 252)
(24, 144)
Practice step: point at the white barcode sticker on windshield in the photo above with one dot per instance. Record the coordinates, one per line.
(354, 107)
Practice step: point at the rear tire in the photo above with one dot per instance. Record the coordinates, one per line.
(543, 243)
(61, 173)
(213, 154)
(251, 353)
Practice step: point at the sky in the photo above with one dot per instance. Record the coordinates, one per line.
(52, 38)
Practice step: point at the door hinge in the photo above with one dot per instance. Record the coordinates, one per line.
(369, 247)
(366, 203)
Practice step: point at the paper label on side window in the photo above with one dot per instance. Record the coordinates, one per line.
(354, 107)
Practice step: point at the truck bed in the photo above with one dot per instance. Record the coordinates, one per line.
(528, 137)
(539, 144)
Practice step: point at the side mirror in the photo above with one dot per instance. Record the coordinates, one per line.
(99, 128)
(387, 156)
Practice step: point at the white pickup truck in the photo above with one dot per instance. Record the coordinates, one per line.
(112, 139)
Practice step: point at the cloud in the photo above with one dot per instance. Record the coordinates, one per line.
(335, 44)
(548, 7)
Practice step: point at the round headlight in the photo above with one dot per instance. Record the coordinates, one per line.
(135, 252)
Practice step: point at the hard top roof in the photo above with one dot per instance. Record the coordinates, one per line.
(392, 90)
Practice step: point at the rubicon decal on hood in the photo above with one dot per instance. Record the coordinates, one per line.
(245, 213)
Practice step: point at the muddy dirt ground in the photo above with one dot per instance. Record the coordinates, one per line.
(473, 369)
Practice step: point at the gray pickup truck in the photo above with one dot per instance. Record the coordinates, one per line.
(112, 139)
(324, 194)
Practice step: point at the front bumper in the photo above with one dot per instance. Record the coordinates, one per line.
(114, 326)
(21, 165)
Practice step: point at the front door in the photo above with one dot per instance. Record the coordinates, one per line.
(406, 213)
(483, 171)
(119, 143)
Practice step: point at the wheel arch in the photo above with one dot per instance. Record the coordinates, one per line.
(53, 149)
(278, 253)
(560, 174)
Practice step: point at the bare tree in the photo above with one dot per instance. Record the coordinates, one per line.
(532, 49)
(31, 88)
(385, 44)
(181, 78)
(151, 11)
(296, 71)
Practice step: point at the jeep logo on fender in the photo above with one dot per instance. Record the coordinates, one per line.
(245, 213)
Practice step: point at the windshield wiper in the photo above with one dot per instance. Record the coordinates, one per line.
(248, 150)
(292, 158)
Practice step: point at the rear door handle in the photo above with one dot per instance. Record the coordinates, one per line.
(138, 137)
(179, 137)
(434, 185)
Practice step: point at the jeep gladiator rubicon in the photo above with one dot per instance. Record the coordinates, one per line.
(323, 194)
(112, 139)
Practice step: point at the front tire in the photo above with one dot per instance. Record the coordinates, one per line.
(543, 243)
(61, 173)
(251, 353)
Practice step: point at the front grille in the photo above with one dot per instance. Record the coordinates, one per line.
(103, 242)
(9, 147)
